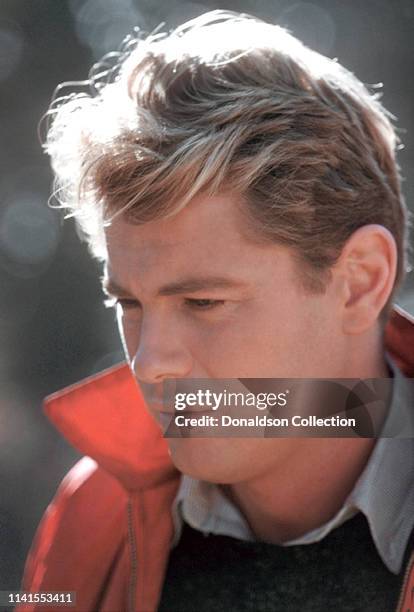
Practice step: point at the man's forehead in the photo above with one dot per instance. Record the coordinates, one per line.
(204, 237)
(129, 238)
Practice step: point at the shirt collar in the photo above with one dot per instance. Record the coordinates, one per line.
(385, 490)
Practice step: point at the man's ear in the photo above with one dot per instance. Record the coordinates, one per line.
(367, 266)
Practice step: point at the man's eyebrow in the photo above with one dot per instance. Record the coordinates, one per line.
(191, 285)
(186, 285)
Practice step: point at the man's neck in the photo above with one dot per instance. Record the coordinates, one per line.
(311, 485)
(310, 490)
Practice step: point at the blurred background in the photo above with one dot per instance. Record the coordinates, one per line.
(54, 329)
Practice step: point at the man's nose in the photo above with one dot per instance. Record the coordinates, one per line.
(161, 352)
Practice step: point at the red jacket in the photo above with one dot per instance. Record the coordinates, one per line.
(107, 532)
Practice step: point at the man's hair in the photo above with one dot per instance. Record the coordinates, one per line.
(227, 103)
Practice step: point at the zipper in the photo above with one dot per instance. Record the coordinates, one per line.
(409, 568)
(134, 559)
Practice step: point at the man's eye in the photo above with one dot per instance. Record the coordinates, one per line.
(203, 304)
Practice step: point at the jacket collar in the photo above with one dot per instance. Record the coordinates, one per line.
(399, 340)
(105, 417)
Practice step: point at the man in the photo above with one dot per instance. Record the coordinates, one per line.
(243, 194)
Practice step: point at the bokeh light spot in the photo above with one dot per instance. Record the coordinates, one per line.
(103, 25)
(29, 231)
(11, 46)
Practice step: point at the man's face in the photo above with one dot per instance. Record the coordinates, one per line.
(198, 299)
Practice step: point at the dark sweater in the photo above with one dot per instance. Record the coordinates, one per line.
(343, 572)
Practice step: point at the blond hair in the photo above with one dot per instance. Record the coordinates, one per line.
(230, 103)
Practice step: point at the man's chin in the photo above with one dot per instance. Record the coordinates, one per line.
(217, 460)
(206, 459)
